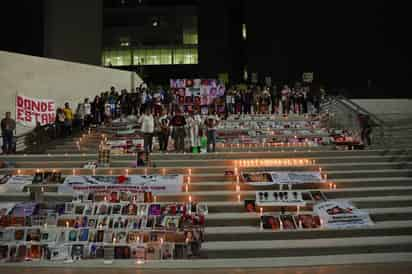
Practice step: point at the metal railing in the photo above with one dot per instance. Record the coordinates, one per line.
(345, 114)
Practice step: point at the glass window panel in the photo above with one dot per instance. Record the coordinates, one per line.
(139, 57)
(190, 37)
(166, 56)
(178, 58)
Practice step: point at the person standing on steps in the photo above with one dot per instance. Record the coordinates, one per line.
(8, 125)
(68, 119)
(211, 123)
(178, 123)
(146, 122)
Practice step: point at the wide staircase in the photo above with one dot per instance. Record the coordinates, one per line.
(377, 180)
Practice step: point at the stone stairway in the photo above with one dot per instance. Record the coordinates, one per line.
(377, 180)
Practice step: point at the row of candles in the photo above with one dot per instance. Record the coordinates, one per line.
(267, 144)
(274, 162)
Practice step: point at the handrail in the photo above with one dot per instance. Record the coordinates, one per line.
(358, 108)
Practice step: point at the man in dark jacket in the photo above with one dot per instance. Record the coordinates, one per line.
(8, 125)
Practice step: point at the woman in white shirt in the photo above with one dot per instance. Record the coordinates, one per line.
(146, 122)
(194, 123)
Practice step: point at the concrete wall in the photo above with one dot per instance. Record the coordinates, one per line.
(73, 30)
(54, 79)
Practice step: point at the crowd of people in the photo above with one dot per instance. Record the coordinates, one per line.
(160, 113)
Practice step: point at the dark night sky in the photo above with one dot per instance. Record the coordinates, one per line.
(341, 39)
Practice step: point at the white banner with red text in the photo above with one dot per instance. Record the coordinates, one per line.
(29, 111)
(152, 183)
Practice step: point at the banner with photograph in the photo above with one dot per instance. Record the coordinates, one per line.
(194, 93)
(341, 214)
(281, 177)
(151, 183)
(29, 111)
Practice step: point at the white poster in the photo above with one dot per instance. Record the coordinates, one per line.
(341, 214)
(15, 183)
(281, 177)
(29, 111)
(279, 198)
(153, 183)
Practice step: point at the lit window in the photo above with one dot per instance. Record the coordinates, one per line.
(190, 37)
(244, 33)
(150, 56)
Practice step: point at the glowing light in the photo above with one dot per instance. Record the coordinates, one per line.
(189, 171)
(261, 211)
(188, 180)
(190, 198)
(126, 172)
(111, 172)
(74, 171)
(67, 224)
(238, 198)
(186, 187)
(163, 171)
(18, 171)
(237, 188)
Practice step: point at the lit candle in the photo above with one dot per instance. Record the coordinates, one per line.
(94, 171)
(298, 210)
(163, 171)
(190, 198)
(238, 198)
(186, 187)
(326, 176)
(145, 171)
(67, 224)
(37, 170)
(281, 225)
(334, 186)
(330, 186)
(18, 171)
(154, 199)
(320, 169)
(261, 211)
(74, 171)
(161, 241)
(105, 198)
(300, 223)
(188, 180)
(114, 241)
(236, 171)
(126, 171)
(189, 171)
(42, 189)
(237, 188)
(237, 179)
(321, 222)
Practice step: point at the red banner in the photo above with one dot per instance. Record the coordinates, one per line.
(30, 110)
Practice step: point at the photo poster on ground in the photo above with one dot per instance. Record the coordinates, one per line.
(29, 111)
(281, 177)
(341, 214)
(193, 93)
